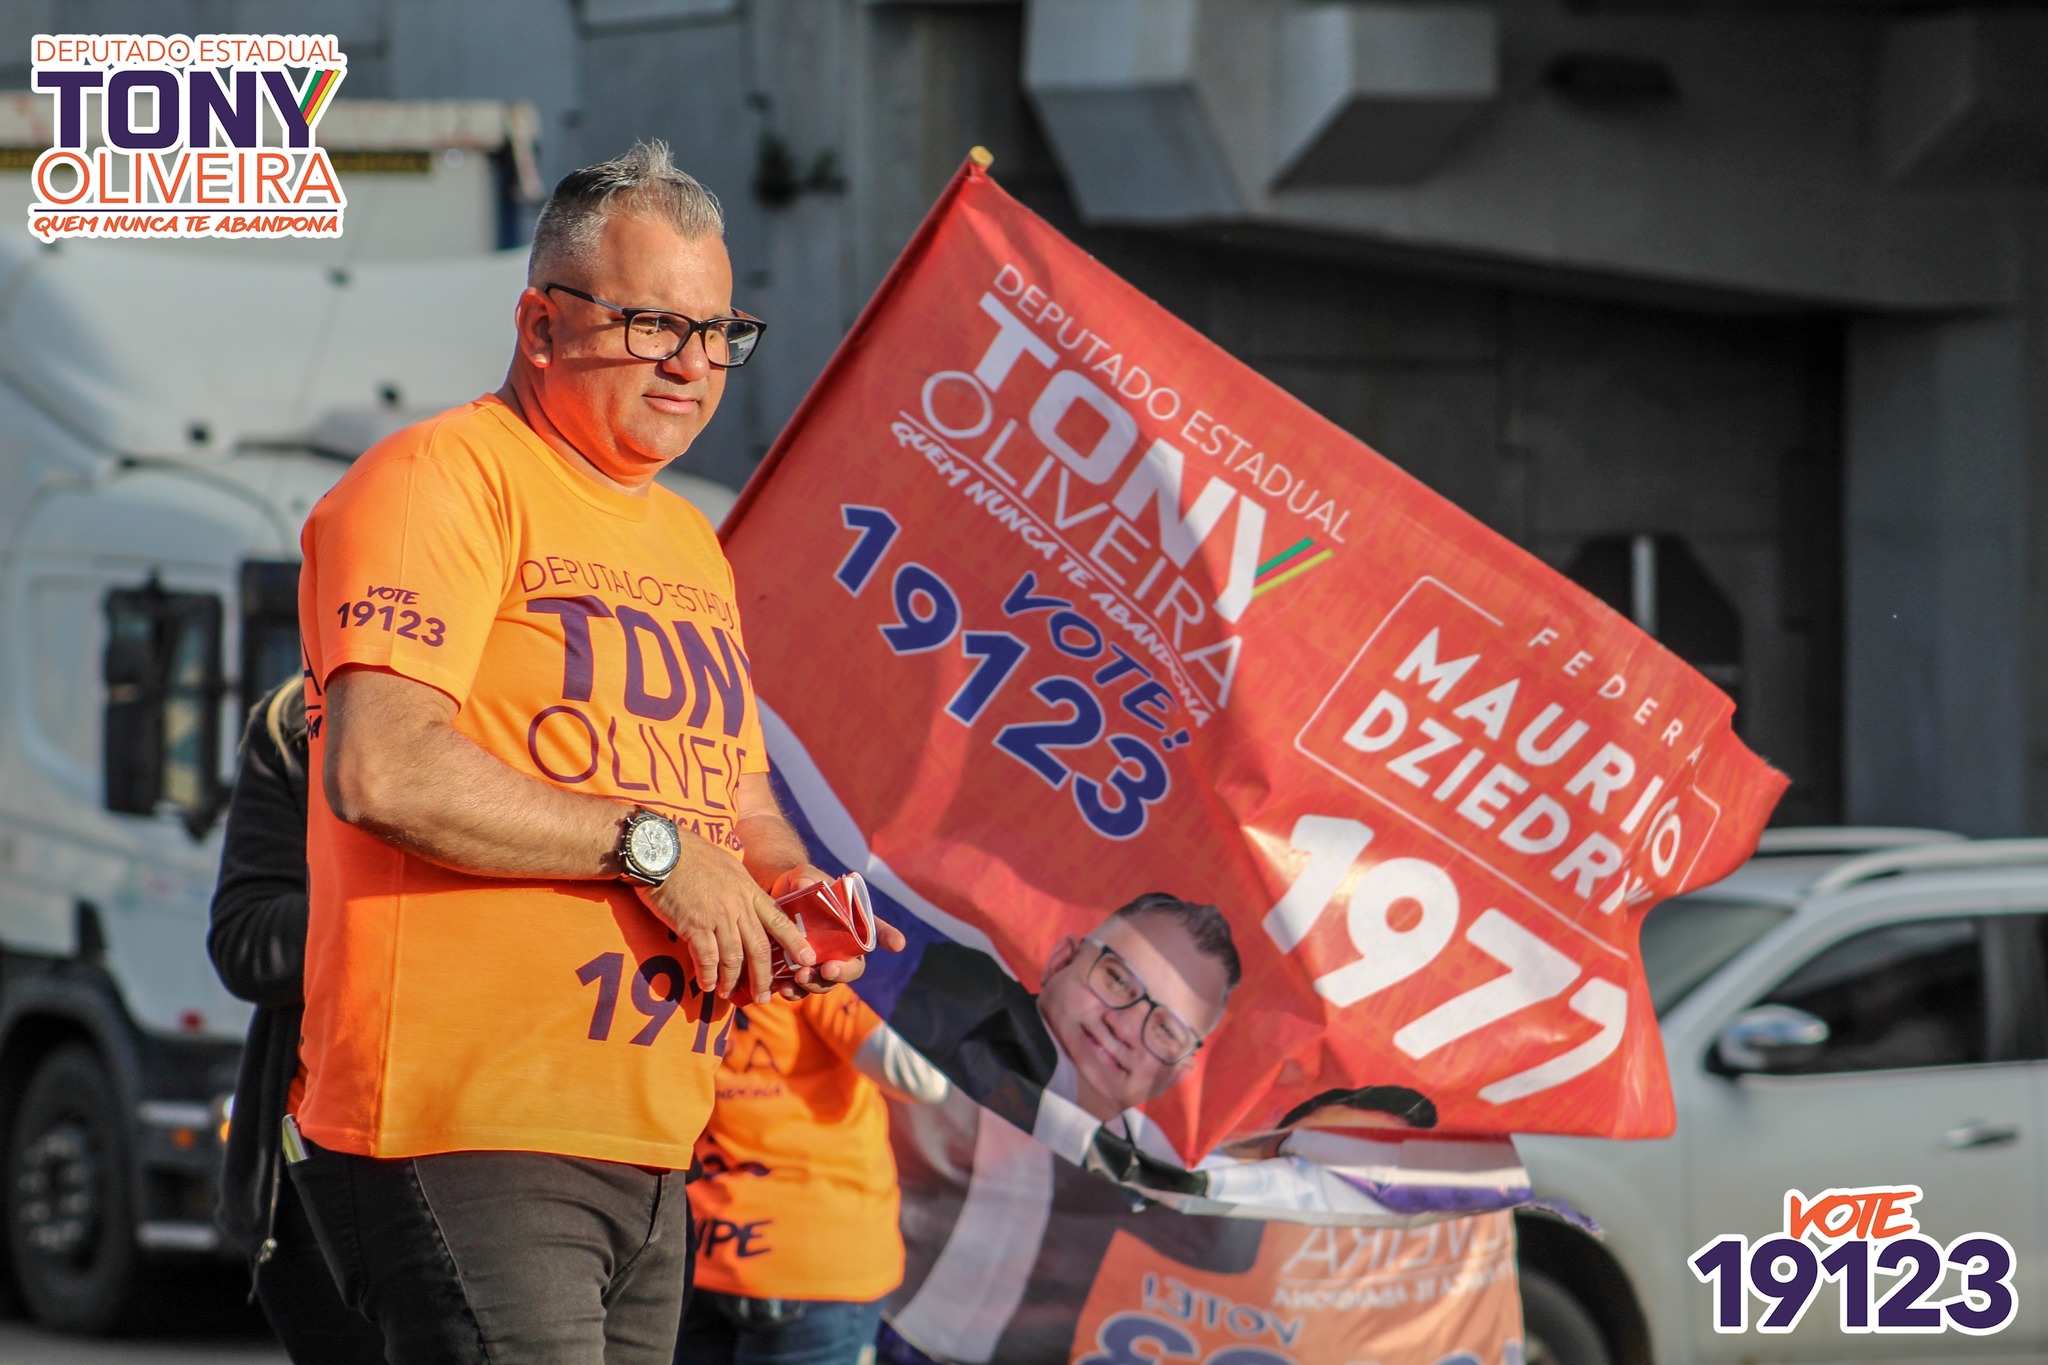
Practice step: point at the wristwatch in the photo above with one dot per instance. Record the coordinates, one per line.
(649, 848)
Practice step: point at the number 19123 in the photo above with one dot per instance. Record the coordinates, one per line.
(1787, 1272)
(429, 630)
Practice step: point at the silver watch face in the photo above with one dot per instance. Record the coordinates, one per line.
(654, 846)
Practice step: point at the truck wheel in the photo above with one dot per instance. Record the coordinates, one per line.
(69, 1206)
(1556, 1329)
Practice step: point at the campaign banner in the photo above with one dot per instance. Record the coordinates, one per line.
(1056, 610)
(1445, 1294)
(1014, 1257)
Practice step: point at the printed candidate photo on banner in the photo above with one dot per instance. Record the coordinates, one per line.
(1015, 1255)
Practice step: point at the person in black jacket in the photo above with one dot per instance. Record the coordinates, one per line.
(258, 945)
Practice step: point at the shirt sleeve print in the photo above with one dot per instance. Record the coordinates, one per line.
(408, 573)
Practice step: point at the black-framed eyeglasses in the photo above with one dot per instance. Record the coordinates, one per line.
(1167, 1036)
(652, 334)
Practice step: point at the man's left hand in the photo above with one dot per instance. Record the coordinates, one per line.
(838, 971)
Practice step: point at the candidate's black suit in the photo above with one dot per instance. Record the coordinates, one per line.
(982, 1028)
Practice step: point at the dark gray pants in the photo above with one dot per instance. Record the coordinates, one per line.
(504, 1258)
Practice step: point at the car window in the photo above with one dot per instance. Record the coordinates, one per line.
(1905, 995)
(2017, 948)
(1687, 940)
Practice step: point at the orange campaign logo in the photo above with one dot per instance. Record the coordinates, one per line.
(1070, 606)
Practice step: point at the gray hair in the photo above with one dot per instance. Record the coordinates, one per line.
(643, 181)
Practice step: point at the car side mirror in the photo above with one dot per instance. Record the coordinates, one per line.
(1766, 1037)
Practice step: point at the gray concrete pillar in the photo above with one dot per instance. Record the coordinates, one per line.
(1935, 723)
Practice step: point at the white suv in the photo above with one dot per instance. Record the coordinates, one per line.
(1905, 1042)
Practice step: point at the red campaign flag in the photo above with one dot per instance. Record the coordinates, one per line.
(1054, 603)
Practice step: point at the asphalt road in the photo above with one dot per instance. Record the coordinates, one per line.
(21, 1344)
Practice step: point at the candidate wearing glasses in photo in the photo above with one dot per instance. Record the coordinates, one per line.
(1120, 1016)
(1131, 1003)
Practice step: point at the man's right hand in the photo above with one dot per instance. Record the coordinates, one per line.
(715, 906)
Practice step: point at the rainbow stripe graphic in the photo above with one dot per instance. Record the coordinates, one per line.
(319, 89)
(1282, 567)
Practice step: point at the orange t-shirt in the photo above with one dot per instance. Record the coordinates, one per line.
(798, 1197)
(590, 640)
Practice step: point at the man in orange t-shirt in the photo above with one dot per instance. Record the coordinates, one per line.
(541, 841)
(796, 1206)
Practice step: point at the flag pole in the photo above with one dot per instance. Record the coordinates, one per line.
(973, 169)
